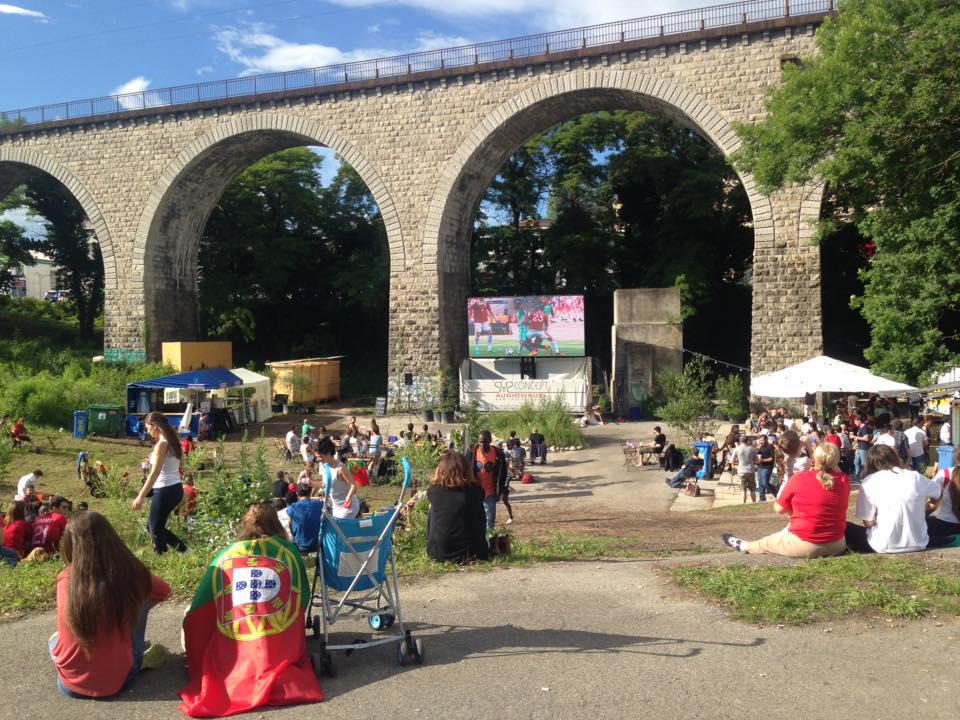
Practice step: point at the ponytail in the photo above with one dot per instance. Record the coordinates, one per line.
(826, 459)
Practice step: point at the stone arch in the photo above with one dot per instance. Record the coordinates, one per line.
(561, 97)
(166, 243)
(18, 165)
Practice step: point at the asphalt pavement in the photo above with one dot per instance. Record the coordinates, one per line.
(570, 641)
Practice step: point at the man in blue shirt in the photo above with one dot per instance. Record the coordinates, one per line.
(305, 516)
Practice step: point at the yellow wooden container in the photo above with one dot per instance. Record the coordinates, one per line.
(183, 356)
(320, 379)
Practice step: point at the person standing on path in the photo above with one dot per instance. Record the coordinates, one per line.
(919, 445)
(745, 457)
(765, 457)
(538, 447)
(163, 481)
(491, 468)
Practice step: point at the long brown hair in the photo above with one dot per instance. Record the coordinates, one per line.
(16, 510)
(108, 584)
(826, 459)
(454, 471)
(260, 521)
(166, 429)
(881, 457)
(953, 487)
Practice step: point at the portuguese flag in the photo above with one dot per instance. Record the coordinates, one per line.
(244, 632)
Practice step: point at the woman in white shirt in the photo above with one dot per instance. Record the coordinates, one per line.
(944, 521)
(892, 505)
(307, 452)
(164, 481)
(343, 490)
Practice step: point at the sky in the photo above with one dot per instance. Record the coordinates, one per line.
(78, 49)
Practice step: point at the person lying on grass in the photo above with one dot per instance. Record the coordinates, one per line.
(816, 502)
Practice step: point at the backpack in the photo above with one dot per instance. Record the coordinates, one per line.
(672, 458)
(902, 445)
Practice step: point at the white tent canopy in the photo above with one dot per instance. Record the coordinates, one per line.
(823, 374)
(262, 392)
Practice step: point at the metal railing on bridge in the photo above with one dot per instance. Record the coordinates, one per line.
(397, 67)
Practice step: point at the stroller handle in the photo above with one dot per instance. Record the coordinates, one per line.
(407, 473)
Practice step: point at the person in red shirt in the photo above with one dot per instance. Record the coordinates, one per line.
(490, 464)
(481, 315)
(18, 532)
(816, 501)
(103, 597)
(48, 529)
(833, 437)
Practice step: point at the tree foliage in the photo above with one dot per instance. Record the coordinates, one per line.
(634, 201)
(877, 115)
(292, 268)
(687, 404)
(14, 252)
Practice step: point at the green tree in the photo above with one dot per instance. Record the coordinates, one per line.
(687, 404)
(876, 114)
(71, 246)
(14, 252)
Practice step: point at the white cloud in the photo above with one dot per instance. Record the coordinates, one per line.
(205, 70)
(373, 28)
(259, 51)
(138, 84)
(549, 14)
(17, 10)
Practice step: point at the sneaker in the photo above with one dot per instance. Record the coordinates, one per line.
(732, 541)
(509, 520)
(154, 657)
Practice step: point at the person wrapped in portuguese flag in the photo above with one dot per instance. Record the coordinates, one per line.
(244, 633)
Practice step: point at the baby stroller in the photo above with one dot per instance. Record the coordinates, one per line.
(356, 572)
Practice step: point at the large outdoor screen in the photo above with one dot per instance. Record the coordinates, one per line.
(542, 325)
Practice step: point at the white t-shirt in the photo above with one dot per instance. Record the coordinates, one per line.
(285, 521)
(886, 439)
(169, 471)
(946, 511)
(896, 500)
(293, 442)
(916, 437)
(306, 452)
(945, 433)
(29, 479)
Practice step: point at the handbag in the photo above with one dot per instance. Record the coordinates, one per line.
(692, 489)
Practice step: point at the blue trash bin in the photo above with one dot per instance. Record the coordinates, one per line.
(706, 452)
(945, 456)
(81, 421)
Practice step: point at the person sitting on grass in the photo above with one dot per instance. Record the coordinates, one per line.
(688, 472)
(17, 533)
(103, 597)
(944, 518)
(456, 525)
(305, 516)
(892, 506)
(244, 633)
(8, 556)
(816, 501)
(48, 529)
(19, 433)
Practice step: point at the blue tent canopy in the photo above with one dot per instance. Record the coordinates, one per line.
(211, 379)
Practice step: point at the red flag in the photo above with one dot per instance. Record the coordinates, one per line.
(244, 633)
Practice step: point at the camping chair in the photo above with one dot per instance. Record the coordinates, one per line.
(281, 448)
(630, 457)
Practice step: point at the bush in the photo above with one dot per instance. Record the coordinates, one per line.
(687, 403)
(732, 397)
(551, 416)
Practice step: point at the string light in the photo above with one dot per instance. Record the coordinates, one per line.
(715, 361)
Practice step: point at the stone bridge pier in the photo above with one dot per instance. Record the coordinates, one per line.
(427, 144)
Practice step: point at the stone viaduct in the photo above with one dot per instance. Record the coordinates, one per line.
(427, 139)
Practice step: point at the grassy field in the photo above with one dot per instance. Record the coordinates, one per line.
(829, 588)
(508, 345)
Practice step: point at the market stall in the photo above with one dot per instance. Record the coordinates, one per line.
(823, 374)
(179, 394)
(250, 401)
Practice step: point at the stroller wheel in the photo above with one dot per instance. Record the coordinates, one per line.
(377, 622)
(402, 654)
(418, 651)
(323, 664)
(388, 619)
(315, 625)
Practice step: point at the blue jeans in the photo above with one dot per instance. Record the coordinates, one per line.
(764, 472)
(859, 463)
(9, 556)
(138, 637)
(918, 463)
(163, 502)
(490, 508)
(538, 451)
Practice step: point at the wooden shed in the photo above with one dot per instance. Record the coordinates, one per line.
(308, 380)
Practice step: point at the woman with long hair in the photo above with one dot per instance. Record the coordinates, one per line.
(944, 520)
(163, 484)
(816, 502)
(103, 597)
(18, 532)
(456, 524)
(892, 506)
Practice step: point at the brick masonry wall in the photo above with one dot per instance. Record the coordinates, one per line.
(426, 150)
